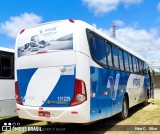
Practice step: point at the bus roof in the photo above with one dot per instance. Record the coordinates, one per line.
(7, 49)
(86, 25)
(58, 21)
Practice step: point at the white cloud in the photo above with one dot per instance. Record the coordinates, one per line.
(144, 42)
(118, 22)
(105, 6)
(15, 24)
(94, 25)
(158, 7)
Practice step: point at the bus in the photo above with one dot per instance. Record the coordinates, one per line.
(80, 76)
(7, 82)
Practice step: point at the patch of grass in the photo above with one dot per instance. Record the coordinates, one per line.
(1, 118)
(157, 102)
(38, 123)
(13, 132)
(149, 115)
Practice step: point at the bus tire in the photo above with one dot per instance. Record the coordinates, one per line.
(145, 103)
(124, 113)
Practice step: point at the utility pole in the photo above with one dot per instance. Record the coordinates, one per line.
(114, 30)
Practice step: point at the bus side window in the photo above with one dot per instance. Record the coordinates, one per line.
(97, 49)
(6, 69)
(134, 64)
(115, 57)
(130, 63)
(121, 62)
(109, 55)
(137, 65)
(140, 67)
(126, 61)
(145, 69)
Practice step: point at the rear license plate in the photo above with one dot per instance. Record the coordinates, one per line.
(44, 114)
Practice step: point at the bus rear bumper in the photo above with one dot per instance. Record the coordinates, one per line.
(76, 114)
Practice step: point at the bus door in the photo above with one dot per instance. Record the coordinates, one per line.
(151, 82)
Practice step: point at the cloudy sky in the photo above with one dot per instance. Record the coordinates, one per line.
(137, 21)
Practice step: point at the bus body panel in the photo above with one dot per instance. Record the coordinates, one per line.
(76, 114)
(61, 83)
(106, 99)
(107, 89)
(137, 89)
(7, 98)
(48, 81)
(46, 87)
(46, 60)
(7, 92)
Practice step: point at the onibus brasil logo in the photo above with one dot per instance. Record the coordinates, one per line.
(16, 127)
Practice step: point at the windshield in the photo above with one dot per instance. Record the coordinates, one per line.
(46, 38)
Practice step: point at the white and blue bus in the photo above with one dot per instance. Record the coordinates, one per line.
(7, 83)
(67, 71)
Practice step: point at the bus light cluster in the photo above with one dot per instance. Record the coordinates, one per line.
(18, 99)
(80, 94)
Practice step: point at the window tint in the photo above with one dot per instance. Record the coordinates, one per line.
(97, 49)
(109, 55)
(126, 61)
(121, 59)
(115, 57)
(130, 63)
(140, 67)
(6, 65)
(134, 64)
(137, 64)
(143, 67)
(146, 69)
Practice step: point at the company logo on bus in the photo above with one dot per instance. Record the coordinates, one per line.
(113, 86)
(50, 29)
(136, 82)
(47, 30)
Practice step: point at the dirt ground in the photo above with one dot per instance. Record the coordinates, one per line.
(157, 93)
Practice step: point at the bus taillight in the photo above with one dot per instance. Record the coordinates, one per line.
(18, 99)
(22, 31)
(80, 94)
(71, 20)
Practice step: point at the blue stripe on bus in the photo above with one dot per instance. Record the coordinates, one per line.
(64, 89)
(23, 77)
(103, 80)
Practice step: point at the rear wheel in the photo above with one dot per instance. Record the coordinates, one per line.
(145, 103)
(124, 113)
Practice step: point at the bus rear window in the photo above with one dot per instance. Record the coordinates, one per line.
(6, 66)
(46, 38)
